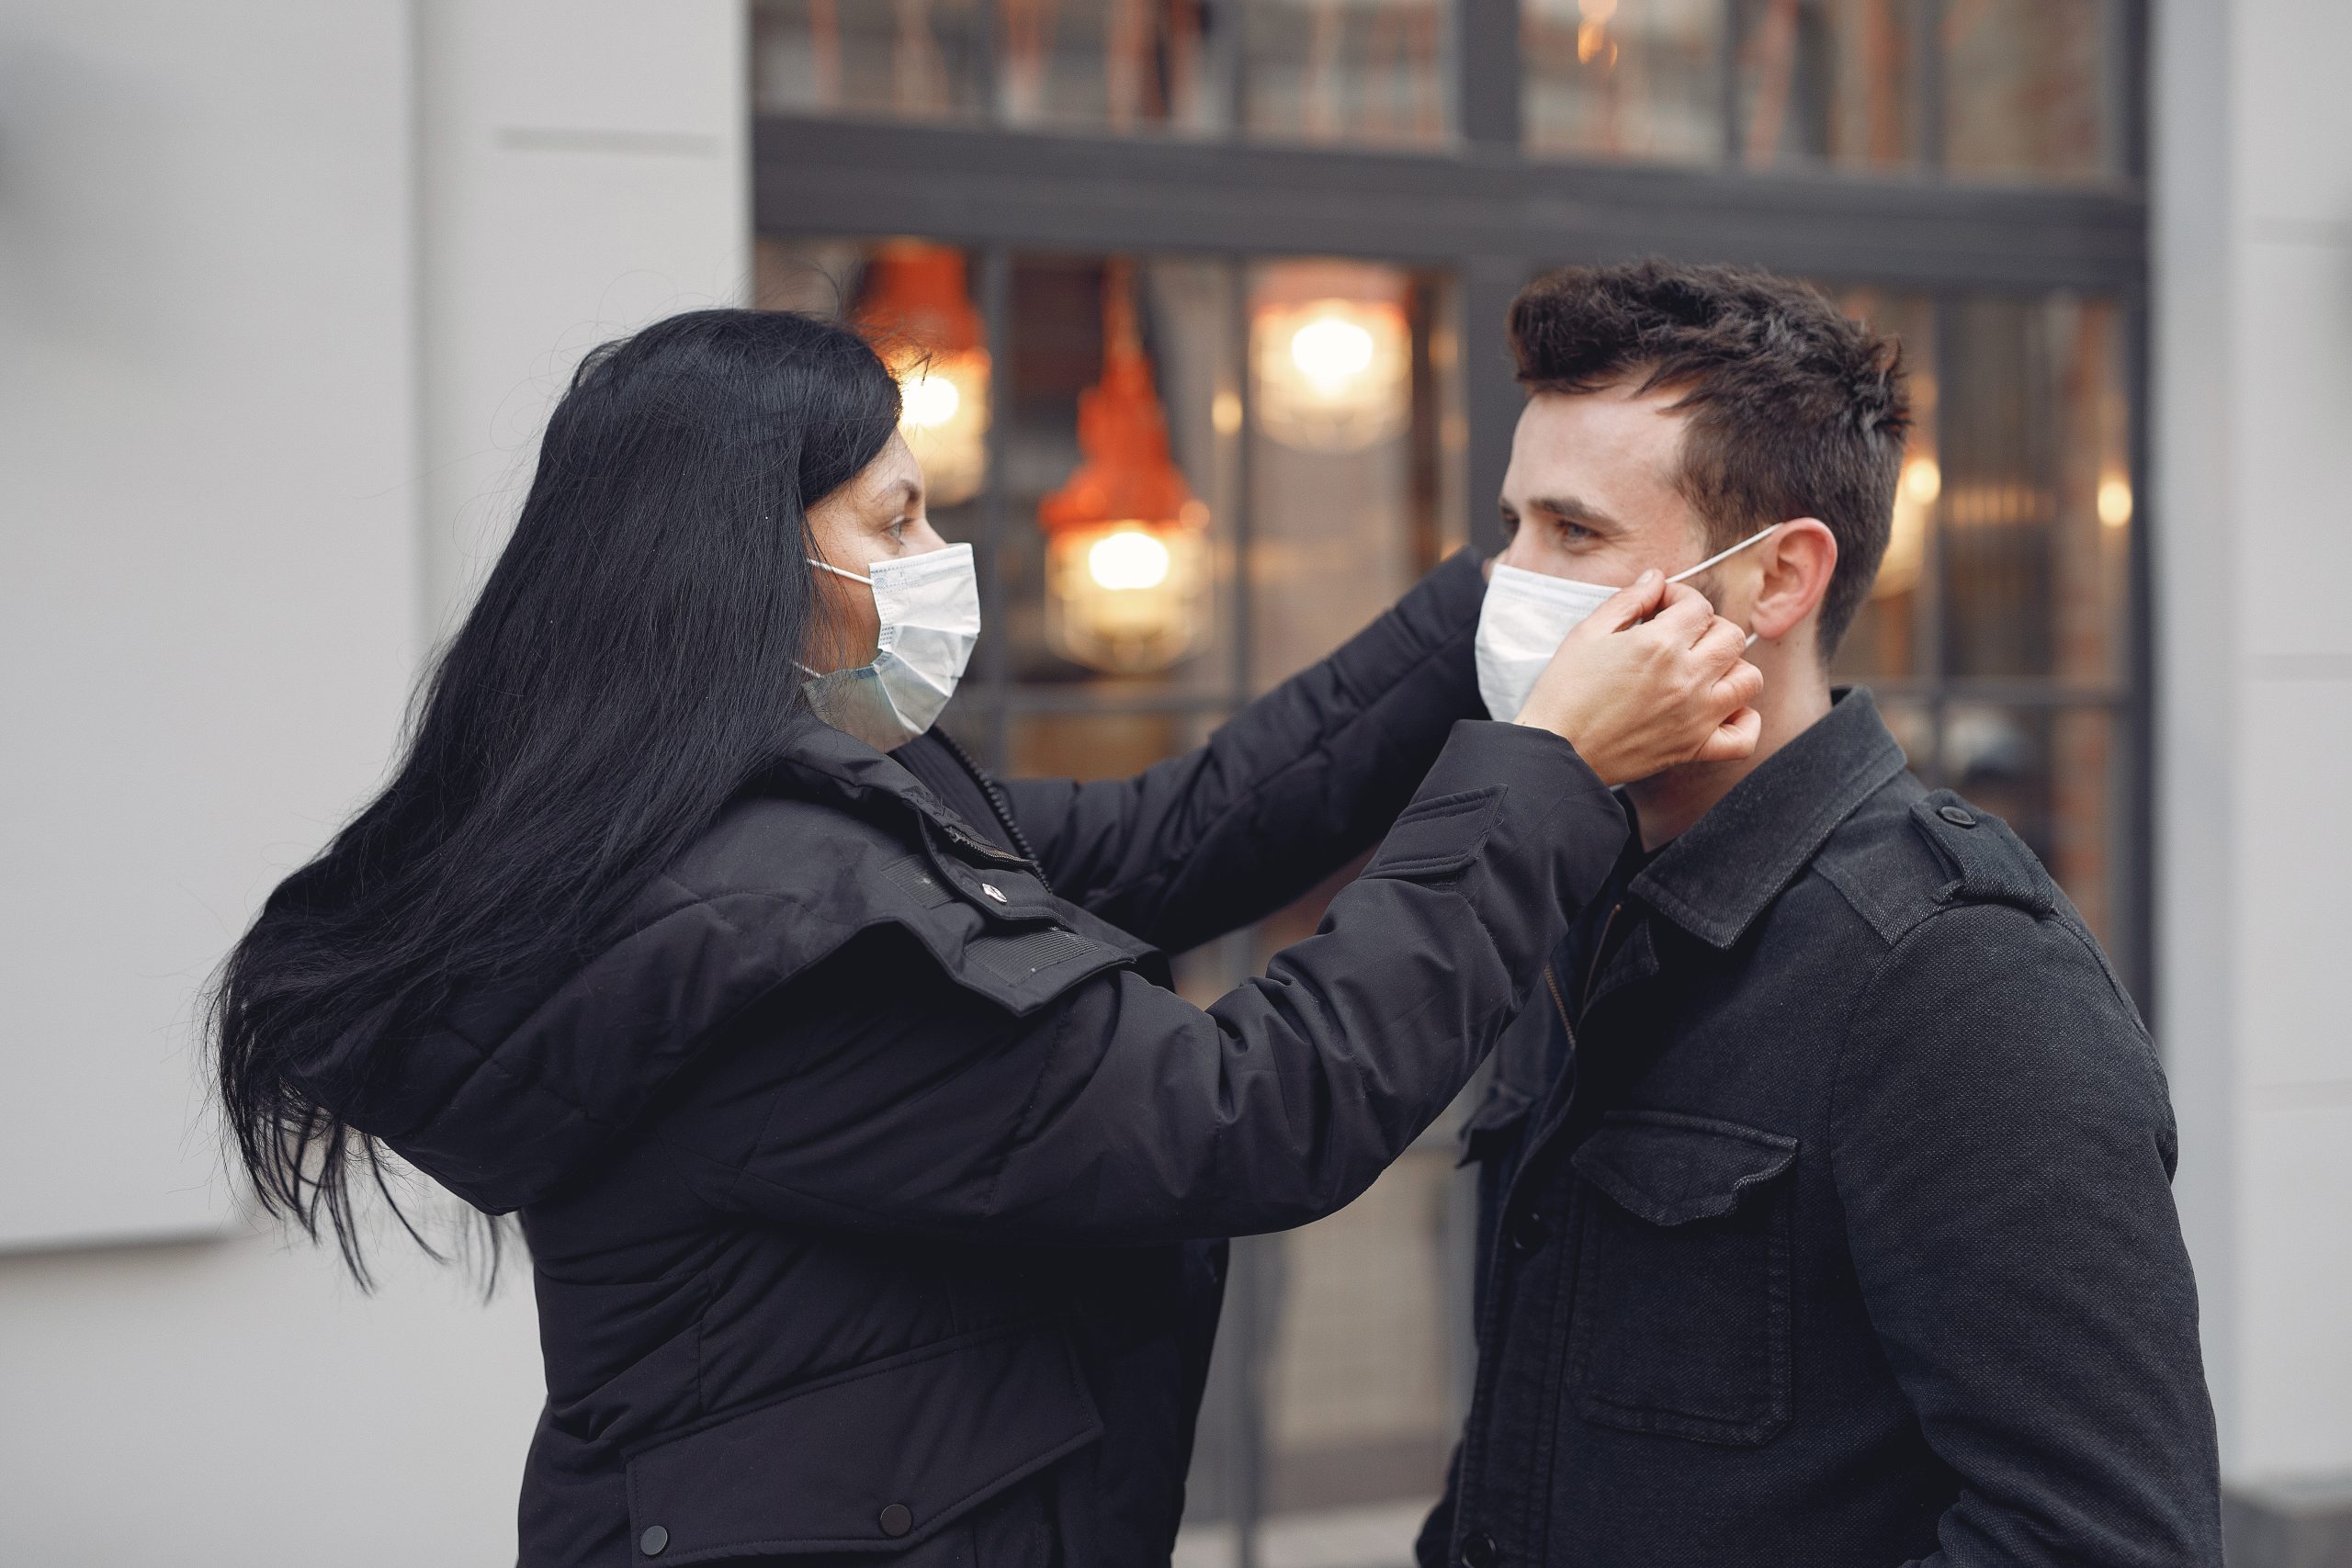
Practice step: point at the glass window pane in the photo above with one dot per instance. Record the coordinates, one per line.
(1888, 638)
(1359, 1406)
(1115, 65)
(1636, 79)
(1361, 72)
(1119, 478)
(2030, 87)
(904, 59)
(1338, 489)
(2055, 776)
(1827, 82)
(2037, 498)
(1354, 1429)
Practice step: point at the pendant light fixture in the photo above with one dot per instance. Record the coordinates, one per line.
(919, 313)
(1126, 541)
(1332, 353)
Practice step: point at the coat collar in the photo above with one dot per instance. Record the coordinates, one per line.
(822, 762)
(1728, 868)
(824, 758)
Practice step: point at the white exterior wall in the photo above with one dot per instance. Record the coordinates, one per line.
(2254, 469)
(284, 290)
(584, 172)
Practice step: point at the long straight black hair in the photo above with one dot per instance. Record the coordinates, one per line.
(628, 667)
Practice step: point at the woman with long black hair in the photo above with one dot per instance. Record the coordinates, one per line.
(869, 1172)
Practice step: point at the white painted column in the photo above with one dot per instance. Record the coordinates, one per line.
(2254, 457)
(584, 170)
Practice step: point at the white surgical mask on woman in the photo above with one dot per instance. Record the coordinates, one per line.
(929, 608)
(1525, 617)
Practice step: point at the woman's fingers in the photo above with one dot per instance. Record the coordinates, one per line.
(1734, 738)
(1634, 602)
(1720, 644)
(1739, 686)
(1651, 678)
(1685, 614)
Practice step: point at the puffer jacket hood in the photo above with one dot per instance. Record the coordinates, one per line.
(521, 1087)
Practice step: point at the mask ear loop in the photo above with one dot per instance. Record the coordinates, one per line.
(1718, 558)
(837, 572)
(827, 566)
(1721, 556)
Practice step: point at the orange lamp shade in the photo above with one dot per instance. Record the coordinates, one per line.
(1126, 541)
(919, 313)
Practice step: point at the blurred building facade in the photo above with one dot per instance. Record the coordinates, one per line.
(1200, 307)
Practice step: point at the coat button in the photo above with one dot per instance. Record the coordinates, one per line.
(654, 1542)
(1530, 1231)
(1956, 816)
(993, 891)
(897, 1520)
(1480, 1551)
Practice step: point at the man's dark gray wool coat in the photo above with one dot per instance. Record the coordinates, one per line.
(1827, 1216)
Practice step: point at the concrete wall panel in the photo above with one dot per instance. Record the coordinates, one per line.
(2297, 926)
(2293, 424)
(208, 550)
(2298, 1263)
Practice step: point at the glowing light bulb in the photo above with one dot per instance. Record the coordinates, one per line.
(928, 402)
(1333, 373)
(1331, 352)
(2115, 501)
(1128, 558)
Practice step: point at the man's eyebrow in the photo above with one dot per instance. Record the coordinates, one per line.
(1568, 509)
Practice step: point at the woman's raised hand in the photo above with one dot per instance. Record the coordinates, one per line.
(1652, 678)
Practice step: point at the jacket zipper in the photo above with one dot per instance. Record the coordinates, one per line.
(999, 802)
(1600, 951)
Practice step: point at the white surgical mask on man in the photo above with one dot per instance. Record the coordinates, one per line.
(928, 607)
(1526, 615)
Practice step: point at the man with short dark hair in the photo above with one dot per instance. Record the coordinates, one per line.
(1825, 1207)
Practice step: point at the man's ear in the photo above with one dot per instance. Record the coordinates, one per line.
(1798, 561)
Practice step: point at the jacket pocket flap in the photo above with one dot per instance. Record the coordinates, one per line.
(876, 1460)
(1440, 834)
(1671, 1169)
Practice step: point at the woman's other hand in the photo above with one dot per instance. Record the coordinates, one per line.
(1651, 678)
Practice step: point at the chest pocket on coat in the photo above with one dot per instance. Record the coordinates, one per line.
(1682, 1321)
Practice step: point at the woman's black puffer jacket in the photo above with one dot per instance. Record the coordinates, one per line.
(873, 1177)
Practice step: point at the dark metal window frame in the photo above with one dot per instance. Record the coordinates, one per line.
(1492, 215)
